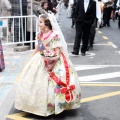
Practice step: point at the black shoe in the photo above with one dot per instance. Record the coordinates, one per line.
(72, 26)
(104, 25)
(75, 53)
(83, 53)
(88, 48)
(109, 25)
(91, 47)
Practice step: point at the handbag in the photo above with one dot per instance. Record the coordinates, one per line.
(2, 63)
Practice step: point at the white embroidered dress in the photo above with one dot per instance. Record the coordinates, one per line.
(38, 95)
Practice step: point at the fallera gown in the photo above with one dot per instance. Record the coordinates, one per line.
(39, 95)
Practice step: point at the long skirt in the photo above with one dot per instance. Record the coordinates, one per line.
(38, 94)
(2, 63)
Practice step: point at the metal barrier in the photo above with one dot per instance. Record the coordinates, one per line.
(19, 26)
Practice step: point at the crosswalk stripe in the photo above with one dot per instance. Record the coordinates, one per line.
(94, 44)
(101, 84)
(114, 46)
(99, 76)
(87, 67)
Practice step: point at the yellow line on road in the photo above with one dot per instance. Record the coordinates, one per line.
(100, 32)
(18, 116)
(100, 96)
(104, 37)
(118, 85)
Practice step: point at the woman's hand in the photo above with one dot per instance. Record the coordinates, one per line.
(50, 67)
(50, 62)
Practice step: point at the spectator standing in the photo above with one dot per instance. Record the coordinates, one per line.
(118, 5)
(85, 14)
(94, 26)
(15, 11)
(6, 7)
(2, 63)
(37, 10)
(107, 13)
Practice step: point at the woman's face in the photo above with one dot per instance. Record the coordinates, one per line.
(45, 6)
(42, 24)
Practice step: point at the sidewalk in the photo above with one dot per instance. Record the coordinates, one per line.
(14, 62)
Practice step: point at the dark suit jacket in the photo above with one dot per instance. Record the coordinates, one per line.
(90, 14)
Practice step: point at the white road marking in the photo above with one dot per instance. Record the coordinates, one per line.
(99, 77)
(99, 32)
(87, 54)
(119, 52)
(99, 82)
(76, 65)
(88, 67)
(113, 45)
(94, 44)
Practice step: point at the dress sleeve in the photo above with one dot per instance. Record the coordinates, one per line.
(56, 42)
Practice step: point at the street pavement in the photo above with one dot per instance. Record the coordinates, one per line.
(98, 71)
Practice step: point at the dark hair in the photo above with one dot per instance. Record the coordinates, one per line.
(46, 21)
(43, 3)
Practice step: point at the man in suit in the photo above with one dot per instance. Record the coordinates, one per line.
(85, 14)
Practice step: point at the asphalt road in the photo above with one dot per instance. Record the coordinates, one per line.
(99, 75)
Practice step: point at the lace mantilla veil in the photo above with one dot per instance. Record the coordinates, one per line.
(56, 28)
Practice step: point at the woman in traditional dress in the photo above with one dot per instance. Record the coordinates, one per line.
(48, 84)
(2, 63)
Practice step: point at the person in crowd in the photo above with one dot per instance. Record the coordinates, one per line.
(48, 84)
(2, 62)
(101, 8)
(69, 9)
(118, 5)
(85, 14)
(107, 13)
(44, 6)
(6, 7)
(15, 11)
(37, 10)
(66, 3)
(73, 11)
(94, 26)
(114, 8)
(51, 6)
